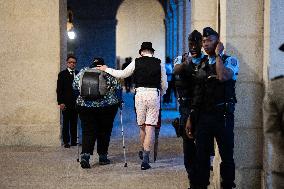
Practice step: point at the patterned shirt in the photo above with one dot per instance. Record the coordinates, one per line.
(112, 97)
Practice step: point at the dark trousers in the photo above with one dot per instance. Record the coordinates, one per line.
(189, 149)
(97, 124)
(212, 125)
(69, 129)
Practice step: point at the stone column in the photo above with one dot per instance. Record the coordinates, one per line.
(203, 14)
(180, 28)
(186, 23)
(241, 32)
(95, 37)
(169, 21)
(174, 29)
(273, 66)
(33, 44)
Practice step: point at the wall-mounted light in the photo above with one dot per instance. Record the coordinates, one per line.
(71, 34)
(70, 27)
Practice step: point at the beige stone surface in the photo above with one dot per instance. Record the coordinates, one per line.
(30, 60)
(139, 21)
(248, 113)
(203, 14)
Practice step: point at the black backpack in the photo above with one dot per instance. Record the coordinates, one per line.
(93, 85)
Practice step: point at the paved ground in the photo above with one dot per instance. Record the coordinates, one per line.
(56, 167)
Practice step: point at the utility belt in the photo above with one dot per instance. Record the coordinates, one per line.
(226, 107)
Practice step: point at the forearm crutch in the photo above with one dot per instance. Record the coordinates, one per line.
(122, 134)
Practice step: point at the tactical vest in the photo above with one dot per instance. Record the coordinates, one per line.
(211, 93)
(185, 81)
(147, 72)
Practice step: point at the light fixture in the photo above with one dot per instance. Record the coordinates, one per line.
(70, 27)
(71, 34)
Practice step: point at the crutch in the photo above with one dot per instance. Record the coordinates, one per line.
(78, 154)
(122, 134)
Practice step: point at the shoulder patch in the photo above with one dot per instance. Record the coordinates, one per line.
(233, 62)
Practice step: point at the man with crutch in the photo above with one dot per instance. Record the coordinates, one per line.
(150, 84)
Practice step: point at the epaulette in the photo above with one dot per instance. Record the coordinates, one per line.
(277, 77)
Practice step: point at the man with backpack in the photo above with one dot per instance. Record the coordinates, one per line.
(97, 104)
(150, 83)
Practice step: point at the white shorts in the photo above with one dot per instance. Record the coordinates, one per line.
(147, 105)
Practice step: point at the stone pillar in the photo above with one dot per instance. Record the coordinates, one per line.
(203, 14)
(32, 46)
(180, 28)
(174, 28)
(242, 37)
(186, 23)
(95, 37)
(273, 66)
(169, 21)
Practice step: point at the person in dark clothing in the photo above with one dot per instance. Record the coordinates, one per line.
(212, 112)
(97, 117)
(185, 69)
(273, 131)
(66, 101)
(167, 98)
(128, 80)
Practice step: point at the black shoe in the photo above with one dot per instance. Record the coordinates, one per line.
(145, 166)
(140, 154)
(103, 160)
(85, 161)
(67, 145)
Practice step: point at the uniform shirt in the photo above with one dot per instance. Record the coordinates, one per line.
(178, 60)
(129, 70)
(112, 97)
(231, 63)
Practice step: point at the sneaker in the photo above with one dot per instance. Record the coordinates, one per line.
(145, 166)
(140, 154)
(103, 160)
(85, 161)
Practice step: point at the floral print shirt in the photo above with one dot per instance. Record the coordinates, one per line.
(112, 97)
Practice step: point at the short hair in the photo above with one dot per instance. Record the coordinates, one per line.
(71, 56)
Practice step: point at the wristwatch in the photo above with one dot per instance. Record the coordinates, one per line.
(220, 55)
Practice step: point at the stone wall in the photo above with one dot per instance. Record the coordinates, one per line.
(30, 56)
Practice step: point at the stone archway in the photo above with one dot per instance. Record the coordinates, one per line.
(139, 21)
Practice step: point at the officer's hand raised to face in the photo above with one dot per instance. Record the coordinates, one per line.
(219, 48)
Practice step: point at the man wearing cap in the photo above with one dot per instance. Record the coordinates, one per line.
(97, 117)
(213, 108)
(273, 128)
(150, 82)
(185, 69)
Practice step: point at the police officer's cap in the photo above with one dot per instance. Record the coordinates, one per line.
(209, 31)
(195, 36)
(281, 48)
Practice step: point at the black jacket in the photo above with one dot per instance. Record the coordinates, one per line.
(65, 93)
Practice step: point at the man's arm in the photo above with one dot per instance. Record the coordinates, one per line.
(223, 73)
(164, 83)
(128, 71)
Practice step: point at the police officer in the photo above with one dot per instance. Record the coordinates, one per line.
(213, 110)
(273, 130)
(185, 69)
